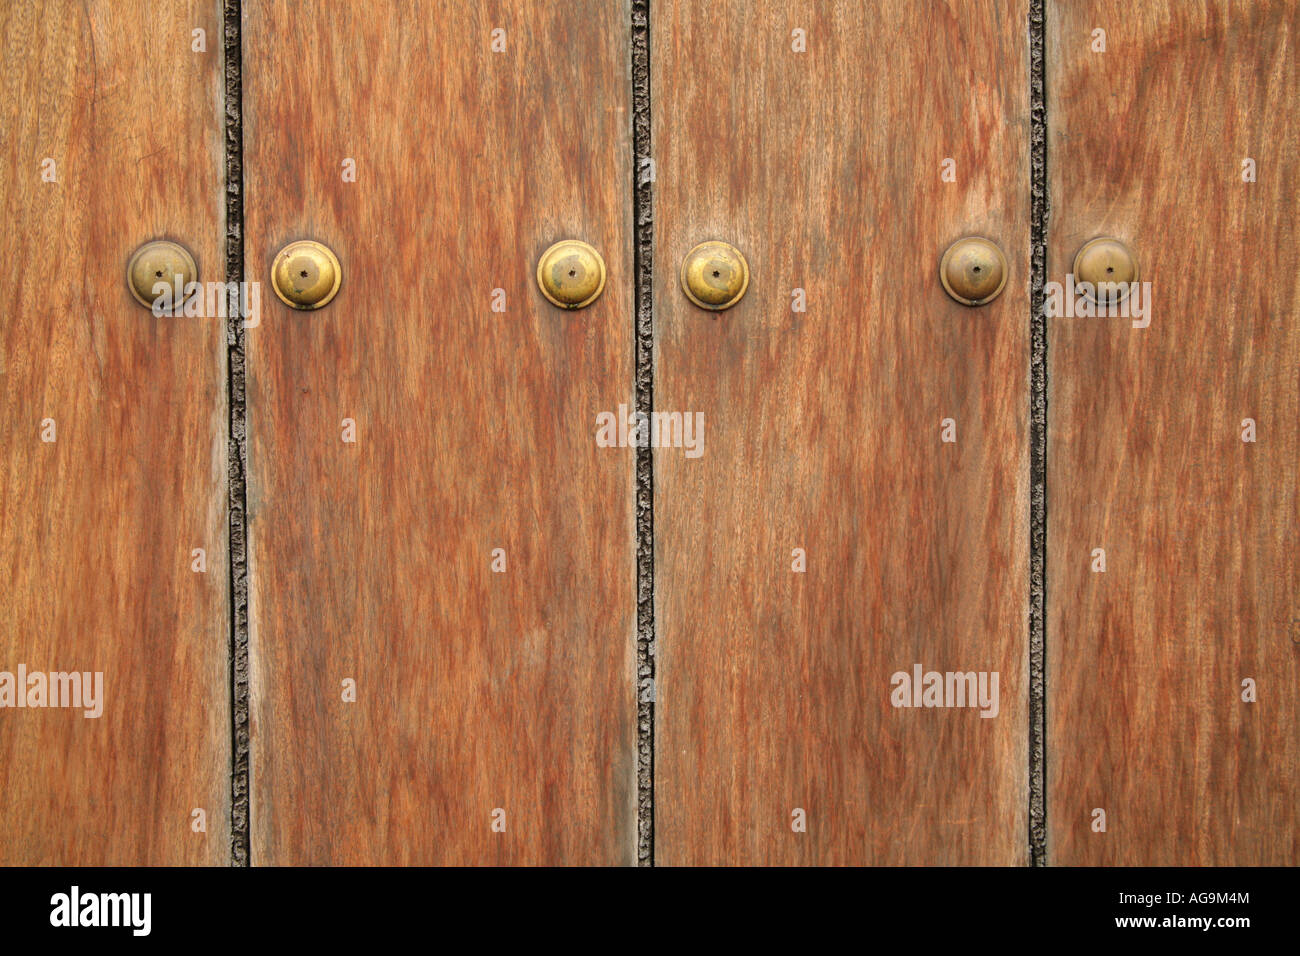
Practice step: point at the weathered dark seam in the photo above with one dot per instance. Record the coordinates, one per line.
(237, 448)
(643, 260)
(1039, 214)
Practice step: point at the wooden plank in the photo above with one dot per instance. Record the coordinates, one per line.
(1146, 459)
(97, 527)
(371, 561)
(822, 432)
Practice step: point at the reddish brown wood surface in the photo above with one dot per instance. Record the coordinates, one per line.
(475, 430)
(98, 526)
(476, 691)
(822, 432)
(1146, 459)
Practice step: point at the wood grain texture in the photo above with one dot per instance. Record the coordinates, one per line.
(97, 527)
(1146, 460)
(475, 431)
(822, 432)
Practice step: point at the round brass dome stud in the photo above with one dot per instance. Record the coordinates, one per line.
(1104, 261)
(571, 274)
(306, 275)
(160, 261)
(715, 275)
(973, 270)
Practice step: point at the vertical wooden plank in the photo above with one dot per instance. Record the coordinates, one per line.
(1146, 460)
(822, 432)
(98, 526)
(372, 561)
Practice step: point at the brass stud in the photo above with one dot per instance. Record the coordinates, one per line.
(163, 262)
(306, 275)
(973, 270)
(571, 274)
(715, 275)
(1108, 266)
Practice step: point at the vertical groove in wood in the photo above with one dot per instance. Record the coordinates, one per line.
(643, 218)
(1146, 459)
(97, 528)
(822, 431)
(237, 448)
(1039, 214)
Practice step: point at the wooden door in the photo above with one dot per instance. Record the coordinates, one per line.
(364, 584)
(796, 141)
(1174, 439)
(113, 523)
(467, 560)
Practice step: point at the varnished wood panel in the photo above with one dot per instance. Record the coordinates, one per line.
(371, 561)
(1146, 460)
(97, 527)
(822, 432)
